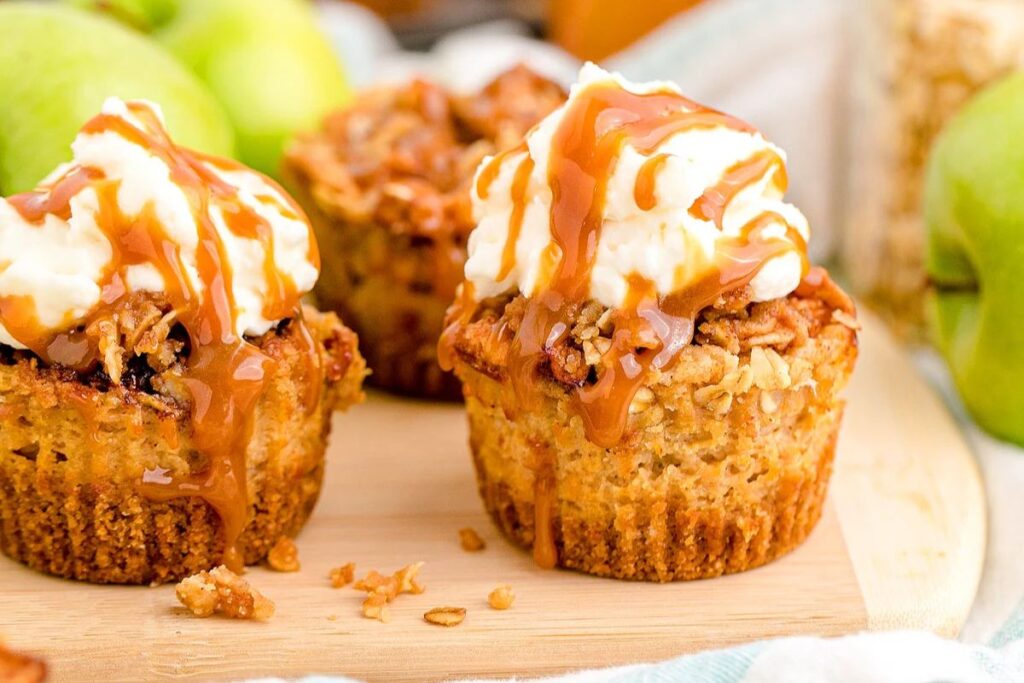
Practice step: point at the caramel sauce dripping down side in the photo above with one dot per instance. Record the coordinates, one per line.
(224, 374)
(545, 498)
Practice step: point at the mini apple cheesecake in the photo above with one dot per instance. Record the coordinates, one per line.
(386, 184)
(651, 369)
(164, 395)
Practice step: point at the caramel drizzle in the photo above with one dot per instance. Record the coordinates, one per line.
(224, 374)
(520, 183)
(644, 190)
(711, 205)
(492, 169)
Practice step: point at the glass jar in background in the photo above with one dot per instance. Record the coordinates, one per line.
(915, 63)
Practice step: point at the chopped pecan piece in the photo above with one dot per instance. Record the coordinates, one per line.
(375, 582)
(383, 589)
(501, 597)
(406, 579)
(221, 591)
(470, 540)
(19, 668)
(284, 556)
(376, 607)
(343, 575)
(402, 581)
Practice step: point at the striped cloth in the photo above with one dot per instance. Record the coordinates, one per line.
(896, 657)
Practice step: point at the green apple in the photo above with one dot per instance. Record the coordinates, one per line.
(58, 64)
(974, 209)
(266, 60)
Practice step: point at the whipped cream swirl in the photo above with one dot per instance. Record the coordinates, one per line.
(664, 241)
(54, 265)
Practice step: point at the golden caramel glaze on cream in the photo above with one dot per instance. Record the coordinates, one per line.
(601, 121)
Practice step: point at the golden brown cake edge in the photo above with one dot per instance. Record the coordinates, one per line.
(83, 517)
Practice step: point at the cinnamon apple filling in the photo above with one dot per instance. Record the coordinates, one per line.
(225, 251)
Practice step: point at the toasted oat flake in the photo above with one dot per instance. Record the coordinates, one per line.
(844, 318)
(343, 575)
(221, 591)
(284, 556)
(501, 597)
(770, 370)
(470, 540)
(642, 400)
(445, 616)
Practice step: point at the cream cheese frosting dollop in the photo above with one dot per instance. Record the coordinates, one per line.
(55, 265)
(665, 241)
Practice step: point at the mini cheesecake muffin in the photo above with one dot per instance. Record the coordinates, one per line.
(386, 184)
(652, 371)
(165, 399)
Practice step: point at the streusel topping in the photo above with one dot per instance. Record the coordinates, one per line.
(638, 199)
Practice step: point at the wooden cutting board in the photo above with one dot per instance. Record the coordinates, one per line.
(900, 546)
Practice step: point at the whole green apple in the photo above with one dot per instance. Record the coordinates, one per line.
(58, 64)
(974, 209)
(265, 60)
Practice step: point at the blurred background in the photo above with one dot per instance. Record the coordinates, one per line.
(855, 92)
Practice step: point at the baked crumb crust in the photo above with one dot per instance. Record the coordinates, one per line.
(386, 186)
(726, 459)
(73, 449)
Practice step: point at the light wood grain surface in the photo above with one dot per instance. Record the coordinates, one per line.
(399, 487)
(909, 495)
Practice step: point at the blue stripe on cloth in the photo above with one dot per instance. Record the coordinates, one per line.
(1012, 630)
(721, 666)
